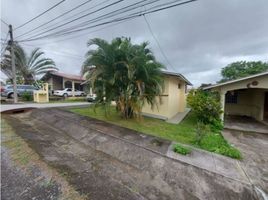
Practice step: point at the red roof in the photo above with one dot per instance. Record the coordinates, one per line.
(68, 76)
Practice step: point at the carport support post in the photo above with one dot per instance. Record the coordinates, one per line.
(73, 88)
(222, 94)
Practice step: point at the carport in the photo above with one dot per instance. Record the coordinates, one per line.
(246, 97)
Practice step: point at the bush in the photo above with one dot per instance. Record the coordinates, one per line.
(216, 143)
(181, 150)
(201, 132)
(206, 106)
(26, 96)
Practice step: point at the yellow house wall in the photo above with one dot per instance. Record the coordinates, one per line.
(173, 99)
(176, 96)
(162, 108)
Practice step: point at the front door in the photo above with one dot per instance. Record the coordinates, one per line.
(265, 113)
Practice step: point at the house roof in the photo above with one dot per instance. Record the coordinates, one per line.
(236, 80)
(177, 75)
(67, 76)
(166, 73)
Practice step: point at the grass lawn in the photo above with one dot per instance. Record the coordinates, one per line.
(185, 132)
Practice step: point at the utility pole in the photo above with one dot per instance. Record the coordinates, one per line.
(11, 43)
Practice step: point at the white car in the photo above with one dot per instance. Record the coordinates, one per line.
(68, 92)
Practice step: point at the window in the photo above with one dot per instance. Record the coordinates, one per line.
(231, 97)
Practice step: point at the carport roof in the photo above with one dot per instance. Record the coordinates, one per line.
(236, 80)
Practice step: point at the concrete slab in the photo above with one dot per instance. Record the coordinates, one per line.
(254, 148)
(246, 124)
(176, 119)
(5, 107)
(103, 164)
(210, 161)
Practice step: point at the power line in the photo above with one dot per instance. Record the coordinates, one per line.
(62, 53)
(157, 42)
(4, 22)
(4, 45)
(111, 14)
(102, 8)
(65, 13)
(133, 15)
(57, 41)
(54, 6)
(104, 16)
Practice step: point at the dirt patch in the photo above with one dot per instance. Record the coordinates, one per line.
(104, 161)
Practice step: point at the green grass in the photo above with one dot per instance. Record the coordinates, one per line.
(185, 132)
(181, 150)
(68, 100)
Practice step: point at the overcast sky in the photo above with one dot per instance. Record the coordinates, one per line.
(198, 38)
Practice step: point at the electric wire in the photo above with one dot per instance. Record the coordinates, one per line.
(157, 42)
(134, 15)
(4, 22)
(107, 15)
(102, 8)
(34, 18)
(59, 16)
(62, 21)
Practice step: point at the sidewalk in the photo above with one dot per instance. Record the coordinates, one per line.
(5, 107)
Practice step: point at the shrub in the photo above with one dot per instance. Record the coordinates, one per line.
(216, 143)
(181, 150)
(206, 106)
(201, 131)
(26, 96)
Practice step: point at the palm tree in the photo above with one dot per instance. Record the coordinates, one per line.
(122, 72)
(27, 67)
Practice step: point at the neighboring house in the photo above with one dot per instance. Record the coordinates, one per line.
(173, 99)
(60, 81)
(246, 96)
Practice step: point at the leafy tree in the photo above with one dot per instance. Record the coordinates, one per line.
(242, 69)
(27, 66)
(125, 73)
(206, 106)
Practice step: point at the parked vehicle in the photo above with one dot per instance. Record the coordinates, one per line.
(8, 91)
(68, 92)
(91, 97)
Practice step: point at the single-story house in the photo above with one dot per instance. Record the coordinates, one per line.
(246, 96)
(173, 99)
(59, 81)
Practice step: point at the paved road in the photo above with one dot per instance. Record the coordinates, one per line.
(254, 148)
(5, 107)
(116, 163)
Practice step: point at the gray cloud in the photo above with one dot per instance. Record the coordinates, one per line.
(198, 38)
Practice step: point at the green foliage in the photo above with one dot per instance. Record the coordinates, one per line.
(27, 66)
(217, 144)
(38, 84)
(184, 132)
(27, 96)
(201, 131)
(206, 106)
(181, 150)
(125, 73)
(242, 69)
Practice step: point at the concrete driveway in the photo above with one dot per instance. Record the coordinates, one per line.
(254, 148)
(117, 163)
